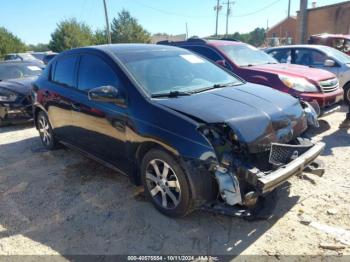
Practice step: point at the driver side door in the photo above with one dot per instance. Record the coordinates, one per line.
(100, 127)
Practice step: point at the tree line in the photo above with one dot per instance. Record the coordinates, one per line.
(71, 33)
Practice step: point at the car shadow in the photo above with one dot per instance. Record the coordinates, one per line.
(62, 202)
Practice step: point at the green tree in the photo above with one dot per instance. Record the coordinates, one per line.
(126, 29)
(100, 37)
(257, 37)
(9, 43)
(70, 34)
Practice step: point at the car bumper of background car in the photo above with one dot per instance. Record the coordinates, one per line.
(328, 102)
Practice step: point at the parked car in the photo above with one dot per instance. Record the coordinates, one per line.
(45, 57)
(48, 58)
(317, 56)
(20, 57)
(253, 65)
(337, 41)
(15, 90)
(175, 122)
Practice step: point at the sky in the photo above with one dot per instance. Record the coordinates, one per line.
(33, 21)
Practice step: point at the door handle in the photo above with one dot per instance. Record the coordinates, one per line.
(76, 107)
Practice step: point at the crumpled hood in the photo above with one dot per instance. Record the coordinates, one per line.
(257, 114)
(296, 71)
(20, 85)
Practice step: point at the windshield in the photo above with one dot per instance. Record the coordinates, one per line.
(338, 55)
(246, 55)
(11, 71)
(173, 71)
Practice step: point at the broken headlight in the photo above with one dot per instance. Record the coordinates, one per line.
(7, 96)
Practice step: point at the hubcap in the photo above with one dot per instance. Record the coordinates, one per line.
(163, 184)
(44, 130)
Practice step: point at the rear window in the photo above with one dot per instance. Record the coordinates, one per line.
(65, 71)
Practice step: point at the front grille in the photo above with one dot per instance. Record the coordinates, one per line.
(329, 85)
(282, 154)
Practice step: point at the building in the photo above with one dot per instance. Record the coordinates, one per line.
(332, 19)
(283, 33)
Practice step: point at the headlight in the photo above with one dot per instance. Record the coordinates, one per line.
(298, 83)
(7, 96)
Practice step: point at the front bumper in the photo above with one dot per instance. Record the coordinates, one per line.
(272, 180)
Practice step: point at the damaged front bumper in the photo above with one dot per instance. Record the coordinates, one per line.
(236, 200)
(266, 183)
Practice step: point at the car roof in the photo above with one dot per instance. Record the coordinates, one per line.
(320, 47)
(16, 62)
(331, 36)
(116, 48)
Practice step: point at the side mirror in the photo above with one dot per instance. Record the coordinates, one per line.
(329, 63)
(108, 94)
(221, 63)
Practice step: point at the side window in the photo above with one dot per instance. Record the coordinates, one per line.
(206, 52)
(94, 72)
(309, 57)
(282, 55)
(65, 70)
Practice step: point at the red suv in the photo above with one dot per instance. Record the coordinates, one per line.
(254, 65)
(337, 41)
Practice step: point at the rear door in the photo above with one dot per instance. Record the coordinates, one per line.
(100, 127)
(58, 94)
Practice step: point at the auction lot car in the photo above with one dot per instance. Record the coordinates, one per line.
(318, 56)
(255, 66)
(337, 41)
(195, 135)
(15, 87)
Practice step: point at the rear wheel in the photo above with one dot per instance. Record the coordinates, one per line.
(45, 131)
(165, 183)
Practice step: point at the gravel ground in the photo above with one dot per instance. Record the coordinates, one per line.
(62, 203)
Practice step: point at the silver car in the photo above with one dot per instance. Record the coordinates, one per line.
(318, 56)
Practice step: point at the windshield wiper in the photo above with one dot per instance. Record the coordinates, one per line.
(171, 94)
(214, 87)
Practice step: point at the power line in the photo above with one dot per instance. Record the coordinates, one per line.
(258, 11)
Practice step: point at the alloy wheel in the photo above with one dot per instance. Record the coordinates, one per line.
(45, 131)
(163, 184)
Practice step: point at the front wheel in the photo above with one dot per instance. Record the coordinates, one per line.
(45, 131)
(165, 183)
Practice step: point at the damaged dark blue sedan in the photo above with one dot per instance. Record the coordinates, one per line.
(193, 134)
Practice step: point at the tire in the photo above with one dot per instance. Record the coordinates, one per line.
(45, 131)
(169, 183)
(347, 93)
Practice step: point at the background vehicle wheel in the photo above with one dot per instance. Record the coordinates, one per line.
(347, 93)
(46, 135)
(165, 183)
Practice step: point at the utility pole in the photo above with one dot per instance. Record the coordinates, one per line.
(228, 12)
(109, 39)
(186, 31)
(288, 8)
(217, 8)
(302, 28)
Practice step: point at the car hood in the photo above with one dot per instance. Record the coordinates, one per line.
(20, 85)
(257, 114)
(296, 71)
